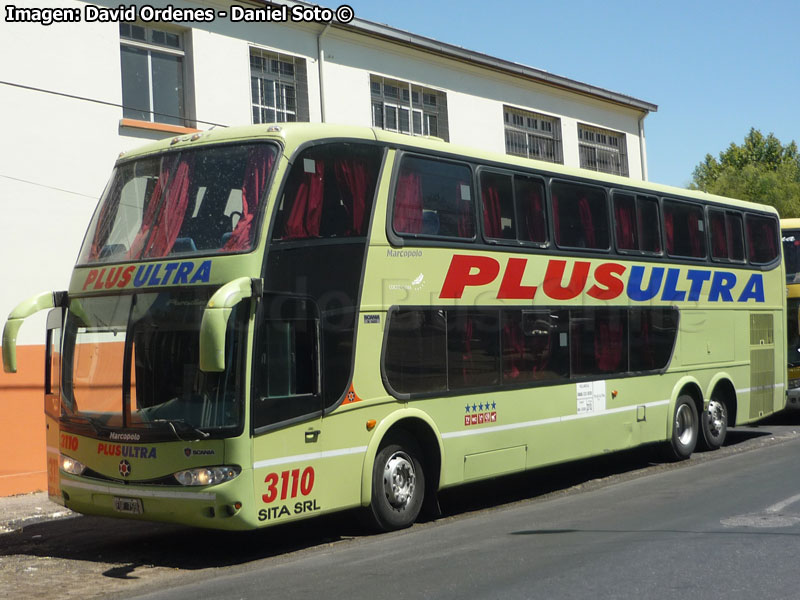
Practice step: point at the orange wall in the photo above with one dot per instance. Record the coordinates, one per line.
(23, 457)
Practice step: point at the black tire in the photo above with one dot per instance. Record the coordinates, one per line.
(685, 429)
(714, 423)
(398, 485)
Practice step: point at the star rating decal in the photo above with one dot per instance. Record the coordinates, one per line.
(480, 413)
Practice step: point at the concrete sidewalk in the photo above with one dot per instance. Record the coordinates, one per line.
(17, 512)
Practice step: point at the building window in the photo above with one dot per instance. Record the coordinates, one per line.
(602, 150)
(152, 74)
(406, 108)
(532, 135)
(278, 87)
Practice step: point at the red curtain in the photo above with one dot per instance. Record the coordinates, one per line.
(761, 240)
(491, 211)
(465, 221)
(624, 217)
(608, 344)
(151, 211)
(306, 211)
(669, 230)
(259, 166)
(556, 220)
(173, 212)
(719, 243)
(533, 217)
(408, 203)
(351, 175)
(696, 235)
(654, 243)
(585, 214)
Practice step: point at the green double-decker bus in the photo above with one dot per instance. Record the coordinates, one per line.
(272, 322)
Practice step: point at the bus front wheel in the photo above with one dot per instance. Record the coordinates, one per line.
(685, 429)
(398, 484)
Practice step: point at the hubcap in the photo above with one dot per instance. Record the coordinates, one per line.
(684, 424)
(716, 417)
(399, 479)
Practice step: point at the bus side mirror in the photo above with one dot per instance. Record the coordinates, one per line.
(21, 312)
(215, 320)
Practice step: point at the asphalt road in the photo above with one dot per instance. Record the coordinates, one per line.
(725, 528)
(724, 524)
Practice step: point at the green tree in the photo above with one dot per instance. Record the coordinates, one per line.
(760, 170)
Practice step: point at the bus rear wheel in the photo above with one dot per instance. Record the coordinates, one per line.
(398, 485)
(685, 429)
(715, 424)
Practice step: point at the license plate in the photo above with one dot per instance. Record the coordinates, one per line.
(131, 506)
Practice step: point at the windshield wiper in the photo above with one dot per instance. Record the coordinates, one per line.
(176, 424)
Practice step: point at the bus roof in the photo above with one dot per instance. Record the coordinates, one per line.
(790, 223)
(294, 135)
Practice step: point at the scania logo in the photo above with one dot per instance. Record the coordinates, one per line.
(124, 468)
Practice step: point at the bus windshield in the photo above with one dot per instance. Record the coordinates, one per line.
(189, 202)
(130, 362)
(791, 254)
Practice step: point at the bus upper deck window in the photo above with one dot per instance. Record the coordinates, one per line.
(433, 197)
(762, 239)
(684, 229)
(329, 193)
(580, 216)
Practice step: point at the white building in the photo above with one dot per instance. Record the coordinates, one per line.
(92, 89)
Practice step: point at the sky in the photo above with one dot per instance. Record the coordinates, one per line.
(714, 68)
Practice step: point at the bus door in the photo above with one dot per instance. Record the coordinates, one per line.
(52, 401)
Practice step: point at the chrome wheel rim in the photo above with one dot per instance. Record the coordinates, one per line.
(716, 417)
(399, 480)
(684, 424)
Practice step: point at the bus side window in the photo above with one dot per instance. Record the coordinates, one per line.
(329, 193)
(684, 229)
(727, 238)
(535, 346)
(762, 239)
(415, 360)
(513, 207)
(636, 223)
(580, 217)
(599, 341)
(652, 337)
(431, 192)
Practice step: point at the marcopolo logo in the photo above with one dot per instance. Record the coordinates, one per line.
(124, 437)
(150, 275)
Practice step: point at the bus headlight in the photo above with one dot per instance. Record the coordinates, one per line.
(207, 475)
(72, 466)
